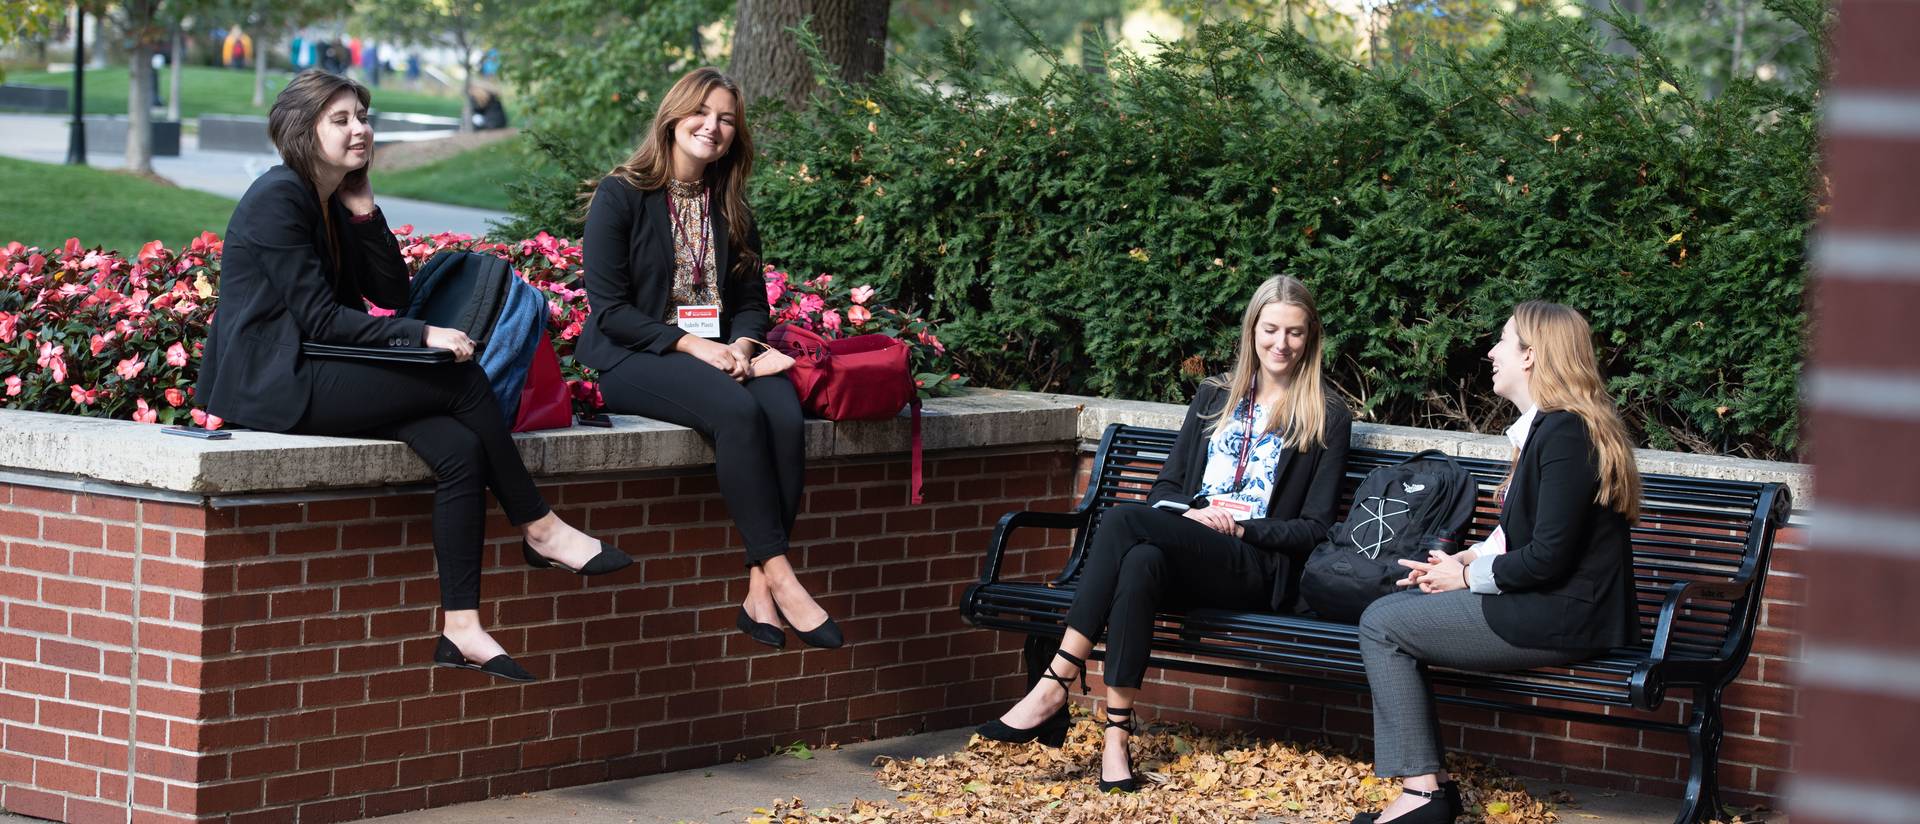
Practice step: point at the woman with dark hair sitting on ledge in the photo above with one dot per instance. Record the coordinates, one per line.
(1249, 488)
(305, 247)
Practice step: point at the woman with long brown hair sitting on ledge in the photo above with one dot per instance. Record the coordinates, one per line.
(305, 247)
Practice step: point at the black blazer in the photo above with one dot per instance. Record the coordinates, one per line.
(628, 256)
(278, 288)
(1306, 488)
(1566, 580)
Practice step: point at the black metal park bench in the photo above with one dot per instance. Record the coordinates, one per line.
(1700, 554)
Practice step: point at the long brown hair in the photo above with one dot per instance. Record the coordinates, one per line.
(296, 112)
(651, 165)
(1302, 417)
(1566, 376)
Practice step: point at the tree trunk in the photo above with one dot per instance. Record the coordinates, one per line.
(768, 62)
(260, 69)
(140, 109)
(1739, 39)
(466, 89)
(174, 59)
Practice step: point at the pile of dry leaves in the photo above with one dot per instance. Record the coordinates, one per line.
(1193, 777)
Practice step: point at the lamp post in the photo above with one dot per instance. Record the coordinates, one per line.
(77, 131)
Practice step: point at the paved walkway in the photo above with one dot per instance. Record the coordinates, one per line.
(43, 138)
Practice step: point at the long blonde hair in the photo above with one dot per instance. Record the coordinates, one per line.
(1566, 376)
(1302, 416)
(651, 165)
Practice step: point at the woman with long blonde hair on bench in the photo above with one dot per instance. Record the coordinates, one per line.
(1552, 585)
(1248, 489)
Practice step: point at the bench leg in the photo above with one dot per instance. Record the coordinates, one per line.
(1704, 731)
(1040, 650)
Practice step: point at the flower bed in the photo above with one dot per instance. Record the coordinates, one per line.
(90, 332)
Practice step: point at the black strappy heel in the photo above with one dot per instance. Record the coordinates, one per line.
(1450, 807)
(1051, 732)
(1130, 783)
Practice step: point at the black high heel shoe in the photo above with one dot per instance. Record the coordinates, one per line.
(1051, 732)
(1456, 805)
(1428, 813)
(825, 636)
(764, 633)
(1130, 783)
(448, 654)
(610, 559)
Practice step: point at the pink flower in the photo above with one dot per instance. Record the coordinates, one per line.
(811, 303)
(206, 421)
(50, 358)
(861, 294)
(84, 397)
(73, 247)
(7, 324)
(831, 320)
(858, 315)
(145, 414)
(774, 292)
(175, 397)
(99, 342)
(154, 250)
(13, 385)
(379, 312)
(130, 368)
(176, 355)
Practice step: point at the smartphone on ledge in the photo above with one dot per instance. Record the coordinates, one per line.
(197, 432)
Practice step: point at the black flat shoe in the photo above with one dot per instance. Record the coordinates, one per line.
(1428, 813)
(764, 633)
(500, 666)
(1130, 783)
(1450, 789)
(825, 636)
(1051, 732)
(610, 559)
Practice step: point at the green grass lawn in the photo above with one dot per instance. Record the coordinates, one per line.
(43, 204)
(475, 178)
(211, 90)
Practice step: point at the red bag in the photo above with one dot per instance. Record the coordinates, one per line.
(861, 378)
(544, 402)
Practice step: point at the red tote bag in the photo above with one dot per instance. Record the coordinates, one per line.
(861, 378)
(544, 402)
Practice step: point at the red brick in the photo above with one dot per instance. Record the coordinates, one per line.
(31, 802)
(39, 557)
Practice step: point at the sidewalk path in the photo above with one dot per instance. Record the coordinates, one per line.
(43, 138)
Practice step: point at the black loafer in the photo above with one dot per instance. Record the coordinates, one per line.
(610, 559)
(500, 666)
(764, 633)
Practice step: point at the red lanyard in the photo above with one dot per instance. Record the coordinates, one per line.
(1246, 444)
(701, 241)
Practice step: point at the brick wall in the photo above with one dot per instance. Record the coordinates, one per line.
(1759, 713)
(283, 647)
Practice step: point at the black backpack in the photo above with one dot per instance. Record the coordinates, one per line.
(1399, 511)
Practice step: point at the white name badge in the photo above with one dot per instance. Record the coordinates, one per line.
(1241, 509)
(700, 320)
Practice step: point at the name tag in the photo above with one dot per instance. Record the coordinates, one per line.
(1241, 509)
(700, 320)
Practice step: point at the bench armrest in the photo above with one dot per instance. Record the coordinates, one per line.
(996, 551)
(1676, 597)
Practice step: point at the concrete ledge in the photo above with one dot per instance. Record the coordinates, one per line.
(235, 133)
(109, 133)
(33, 98)
(140, 455)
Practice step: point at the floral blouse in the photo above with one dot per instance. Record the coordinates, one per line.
(1223, 453)
(692, 247)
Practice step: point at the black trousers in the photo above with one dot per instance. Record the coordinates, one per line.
(1141, 558)
(448, 415)
(758, 435)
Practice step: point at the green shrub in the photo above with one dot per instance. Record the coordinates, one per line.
(1099, 233)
